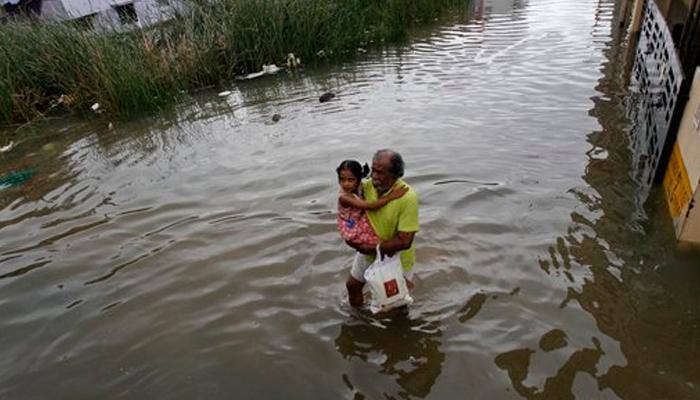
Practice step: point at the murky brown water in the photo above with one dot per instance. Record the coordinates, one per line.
(194, 255)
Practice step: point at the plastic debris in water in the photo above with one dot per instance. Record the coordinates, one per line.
(16, 178)
(7, 148)
(95, 107)
(326, 97)
(292, 61)
(66, 100)
(269, 69)
(225, 93)
(49, 147)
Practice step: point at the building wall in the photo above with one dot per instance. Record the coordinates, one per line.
(691, 228)
(682, 177)
(103, 14)
(689, 133)
(53, 10)
(81, 8)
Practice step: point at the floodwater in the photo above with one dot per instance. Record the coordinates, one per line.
(194, 254)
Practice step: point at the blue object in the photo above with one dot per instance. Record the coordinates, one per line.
(16, 178)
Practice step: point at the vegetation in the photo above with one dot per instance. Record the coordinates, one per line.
(43, 66)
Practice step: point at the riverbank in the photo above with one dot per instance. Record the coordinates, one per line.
(50, 66)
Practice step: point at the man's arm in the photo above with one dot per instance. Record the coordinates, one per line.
(352, 201)
(401, 241)
(362, 248)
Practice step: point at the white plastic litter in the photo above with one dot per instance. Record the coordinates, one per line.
(293, 61)
(387, 284)
(225, 93)
(95, 107)
(269, 69)
(7, 148)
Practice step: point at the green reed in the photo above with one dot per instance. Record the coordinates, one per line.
(209, 43)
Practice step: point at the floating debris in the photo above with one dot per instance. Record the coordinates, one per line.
(110, 126)
(225, 93)
(321, 53)
(5, 149)
(49, 147)
(66, 99)
(361, 50)
(292, 61)
(16, 178)
(269, 69)
(276, 117)
(95, 107)
(326, 97)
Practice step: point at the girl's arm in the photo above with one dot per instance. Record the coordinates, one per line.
(352, 201)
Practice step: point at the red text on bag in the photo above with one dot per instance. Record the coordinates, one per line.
(391, 288)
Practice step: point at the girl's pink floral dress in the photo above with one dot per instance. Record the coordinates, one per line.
(354, 225)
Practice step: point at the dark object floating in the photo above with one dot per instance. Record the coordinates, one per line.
(326, 97)
(16, 178)
(276, 117)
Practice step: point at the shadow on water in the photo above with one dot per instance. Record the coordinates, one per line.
(404, 348)
(517, 363)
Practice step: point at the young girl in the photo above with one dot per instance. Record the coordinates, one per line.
(353, 223)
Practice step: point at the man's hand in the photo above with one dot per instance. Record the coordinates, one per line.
(401, 241)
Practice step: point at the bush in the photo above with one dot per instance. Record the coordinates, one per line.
(208, 43)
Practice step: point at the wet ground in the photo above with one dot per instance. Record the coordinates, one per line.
(194, 254)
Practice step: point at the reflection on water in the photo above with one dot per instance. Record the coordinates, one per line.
(406, 349)
(194, 254)
(559, 386)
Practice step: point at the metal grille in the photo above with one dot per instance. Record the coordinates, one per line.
(657, 76)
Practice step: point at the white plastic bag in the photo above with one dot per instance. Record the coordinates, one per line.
(387, 284)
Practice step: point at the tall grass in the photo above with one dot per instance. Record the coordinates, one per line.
(208, 43)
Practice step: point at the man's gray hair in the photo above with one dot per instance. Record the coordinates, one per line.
(396, 164)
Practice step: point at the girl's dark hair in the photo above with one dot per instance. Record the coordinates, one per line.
(360, 171)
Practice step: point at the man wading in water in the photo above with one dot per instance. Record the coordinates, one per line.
(396, 223)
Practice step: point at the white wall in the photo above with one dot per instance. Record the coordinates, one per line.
(105, 17)
(682, 178)
(81, 8)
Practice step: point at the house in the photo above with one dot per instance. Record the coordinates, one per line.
(100, 15)
(14, 7)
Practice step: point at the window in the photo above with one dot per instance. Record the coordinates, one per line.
(85, 23)
(127, 13)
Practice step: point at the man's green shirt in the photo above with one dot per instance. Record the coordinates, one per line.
(400, 215)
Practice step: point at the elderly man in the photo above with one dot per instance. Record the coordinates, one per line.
(396, 223)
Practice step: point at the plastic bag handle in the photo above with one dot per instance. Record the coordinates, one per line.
(379, 252)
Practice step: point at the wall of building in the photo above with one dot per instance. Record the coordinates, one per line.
(103, 14)
(81, 8)
(682, 177)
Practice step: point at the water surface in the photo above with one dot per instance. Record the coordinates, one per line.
(194, 254)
